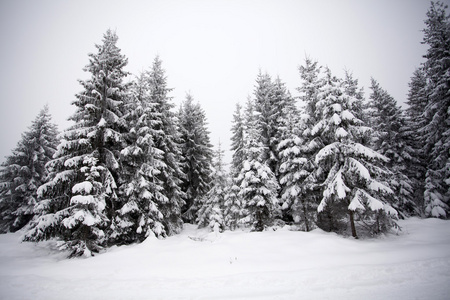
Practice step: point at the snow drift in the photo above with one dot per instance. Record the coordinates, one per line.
(197, 264)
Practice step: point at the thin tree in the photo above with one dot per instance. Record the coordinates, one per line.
(391, 140)
(167, 139)
(211, 213)
(197, 156)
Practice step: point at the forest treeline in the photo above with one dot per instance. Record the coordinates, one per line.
(132, 165)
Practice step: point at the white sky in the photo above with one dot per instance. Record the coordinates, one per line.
(212, 49)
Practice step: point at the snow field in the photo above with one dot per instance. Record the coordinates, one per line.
(197, 264)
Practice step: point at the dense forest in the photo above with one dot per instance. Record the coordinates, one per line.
(133, 165)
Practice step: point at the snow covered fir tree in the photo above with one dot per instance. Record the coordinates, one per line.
(81, 197)
(139, 189)
(197, 154)
(435, 130)
(258, 184)
(24, 171)
(166, 138)
(350, 173)
(211, 211)
(132, 165)
(391, 140)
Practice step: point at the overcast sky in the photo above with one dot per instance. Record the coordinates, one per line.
(212, 49)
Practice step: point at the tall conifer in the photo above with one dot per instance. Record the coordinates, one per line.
(82, 193)
(197, 156)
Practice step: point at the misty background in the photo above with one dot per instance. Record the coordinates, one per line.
(211, 49)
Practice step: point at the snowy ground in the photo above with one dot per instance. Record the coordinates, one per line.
(278, 264)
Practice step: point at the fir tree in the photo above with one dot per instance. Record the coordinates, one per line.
(137, 214)
(309, 89)
(167, 139)
(233, 205)
(211, 213)
(197, 156)
(237, 141)
(233, 211)
(80, 199)
(266, 108)
(24, 171)
(301, 192)
(436, 131)
(258, 185)
(285, 109)
(417, 100)
(295, 175)
(349, 171)
(391, 141)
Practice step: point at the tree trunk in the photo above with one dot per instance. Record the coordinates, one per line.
(352, 223)
(305, 214)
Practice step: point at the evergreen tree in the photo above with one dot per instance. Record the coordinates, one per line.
(295, 175)
(348, 170)
(416, 166)
(436, 131)
(390, 140)
(233, 211)
(258, 185)
(80, 199)
(197, 156)
(266, 115)
(211, 213)
(233, 205)
(352, 89)
(301, 192)
(272, 104)
(24, 171)
(167, 139)
(137, 213)
(285, 109)
(237, 141)
(309, 89)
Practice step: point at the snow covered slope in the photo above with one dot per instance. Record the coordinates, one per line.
(278, 264)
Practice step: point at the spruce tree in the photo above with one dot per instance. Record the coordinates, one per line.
(390, 139)
(285, 109)
(258, 184)
(233, 205)
(24, 171)
(167, 139)
(416, 167)
(197, 156)
(295, 171)
(436, 131)
(237, 141)
(137, 212)
(266, 115)
(211, 213)
(301, 192)
(348, 170)
(308, 90)
(81, 197)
